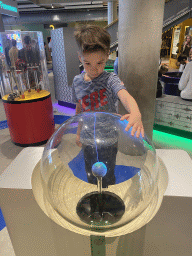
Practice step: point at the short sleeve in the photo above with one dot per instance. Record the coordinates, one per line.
(74, 97)
(115, 83)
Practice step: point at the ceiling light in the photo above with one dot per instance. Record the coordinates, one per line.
(56, 18)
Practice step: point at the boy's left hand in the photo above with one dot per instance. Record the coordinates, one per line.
(134, 122)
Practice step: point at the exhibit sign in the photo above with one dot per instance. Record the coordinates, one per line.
(176, 41)
(9, 7)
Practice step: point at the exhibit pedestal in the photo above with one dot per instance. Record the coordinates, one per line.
(32, 233)
(30, 120)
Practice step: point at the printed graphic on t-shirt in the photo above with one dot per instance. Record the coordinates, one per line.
(100, 94)
(97, 100)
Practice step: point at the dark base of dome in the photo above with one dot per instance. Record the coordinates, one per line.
(100, 209)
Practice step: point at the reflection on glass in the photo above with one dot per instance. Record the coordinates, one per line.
(105, 183)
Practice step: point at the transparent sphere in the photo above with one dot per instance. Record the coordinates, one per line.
(96, 175)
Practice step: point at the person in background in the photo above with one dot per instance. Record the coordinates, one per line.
(35, 49)
(162, 70)
(185, 48)
(116, 63)
(190, 56)
(185, 83)
(33, 44)
(181, 62)
(45, 48)
(7, 48)
(29, 53)
(164, 48)
(50, 47)
(98, 90)
(26, 53)
(13, 53)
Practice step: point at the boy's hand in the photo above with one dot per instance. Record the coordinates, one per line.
(78, 141)
(134, 122)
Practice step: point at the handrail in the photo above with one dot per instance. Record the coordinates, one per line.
(109, 25)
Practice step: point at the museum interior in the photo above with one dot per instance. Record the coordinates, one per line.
(77, 183)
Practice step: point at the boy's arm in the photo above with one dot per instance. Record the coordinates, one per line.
(134, 116)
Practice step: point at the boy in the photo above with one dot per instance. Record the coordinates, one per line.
(98, 90)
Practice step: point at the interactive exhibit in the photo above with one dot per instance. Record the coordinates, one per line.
(92, 190)
(23, 79)
(98, 179)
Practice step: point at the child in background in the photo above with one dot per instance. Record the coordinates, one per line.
(98, 90)
(162, 70)
(190, 55)
(182, 61)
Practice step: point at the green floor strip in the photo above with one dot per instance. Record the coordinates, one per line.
(172, 141)
(173, 131)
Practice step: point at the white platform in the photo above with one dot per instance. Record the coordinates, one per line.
(17, 177)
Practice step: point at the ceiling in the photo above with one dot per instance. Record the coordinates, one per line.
(44, 5)
(25, 6)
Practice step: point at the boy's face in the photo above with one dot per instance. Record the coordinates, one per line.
(94, 63)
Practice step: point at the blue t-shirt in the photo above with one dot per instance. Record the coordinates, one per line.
(99, 94)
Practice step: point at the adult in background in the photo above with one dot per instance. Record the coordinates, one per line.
(185, 83)
(185, 48)
(28, 53)
(7, 48)
(13, 53)
(28, 57)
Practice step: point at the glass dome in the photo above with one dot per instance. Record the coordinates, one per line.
(96, 175)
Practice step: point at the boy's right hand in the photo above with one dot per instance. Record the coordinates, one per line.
(79, 144)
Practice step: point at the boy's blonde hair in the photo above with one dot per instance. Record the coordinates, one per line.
(91, 38)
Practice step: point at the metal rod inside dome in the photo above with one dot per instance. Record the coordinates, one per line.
(99, 184)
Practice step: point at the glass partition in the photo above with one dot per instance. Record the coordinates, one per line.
(23, 68)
